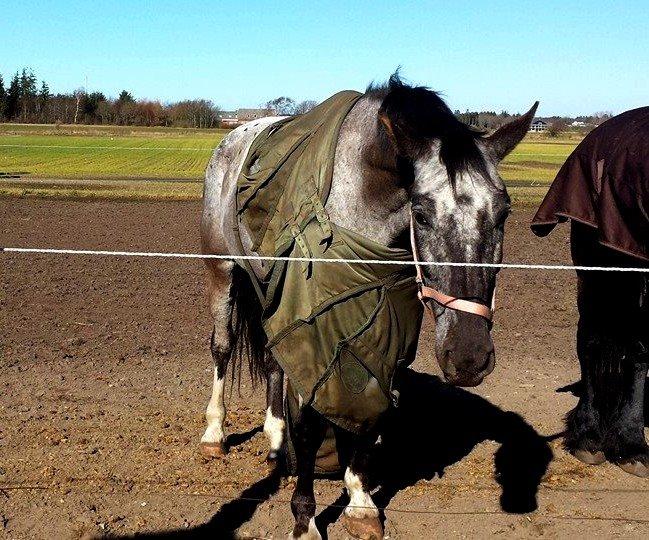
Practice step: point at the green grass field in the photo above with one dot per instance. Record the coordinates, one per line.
(136, 162)
(88, 152)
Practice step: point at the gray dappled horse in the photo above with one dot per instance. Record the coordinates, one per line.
(400, 153)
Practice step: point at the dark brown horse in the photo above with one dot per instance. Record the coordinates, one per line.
(603, 188)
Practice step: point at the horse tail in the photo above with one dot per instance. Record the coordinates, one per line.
(247, 335)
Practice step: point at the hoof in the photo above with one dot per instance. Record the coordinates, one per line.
(589, 458)
(273, 459)
(368, 528)
(212, 450)
(636, 468)
(311, 533)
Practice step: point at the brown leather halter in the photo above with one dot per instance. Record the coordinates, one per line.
(426, 293)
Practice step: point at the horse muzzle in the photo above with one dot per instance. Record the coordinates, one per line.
(461, 377)
(466, 352)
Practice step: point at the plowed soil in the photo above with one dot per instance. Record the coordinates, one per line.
(105, 373)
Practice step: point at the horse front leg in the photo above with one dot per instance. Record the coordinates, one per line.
(625, 443)
(310, 429)
(584, 438)
(361, 517)
(274, 424)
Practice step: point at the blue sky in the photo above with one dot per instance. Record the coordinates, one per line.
(576, 57)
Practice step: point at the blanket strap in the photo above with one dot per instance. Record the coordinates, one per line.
(323, 220)
(304, 248)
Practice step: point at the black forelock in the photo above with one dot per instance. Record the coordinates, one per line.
(423, 115)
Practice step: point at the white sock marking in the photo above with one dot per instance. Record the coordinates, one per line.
(215, 413)
(274, 430)
(361, 504)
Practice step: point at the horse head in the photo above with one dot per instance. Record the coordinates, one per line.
(459, 205)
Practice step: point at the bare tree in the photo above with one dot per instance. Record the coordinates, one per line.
(78, 96)
(283, 106)
(557, 127)
(305, 106)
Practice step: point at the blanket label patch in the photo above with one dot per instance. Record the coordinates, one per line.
(354, 376)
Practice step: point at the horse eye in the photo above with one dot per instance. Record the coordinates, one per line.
(502, 217)
(420, 218)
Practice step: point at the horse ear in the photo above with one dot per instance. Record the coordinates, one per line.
(399, 134)
(387, 124)
(505, 138)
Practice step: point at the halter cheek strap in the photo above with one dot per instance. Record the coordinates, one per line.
(428, 293)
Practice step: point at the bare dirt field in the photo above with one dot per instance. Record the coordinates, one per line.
(105, 374)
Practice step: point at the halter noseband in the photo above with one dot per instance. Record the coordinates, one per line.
(426, 293)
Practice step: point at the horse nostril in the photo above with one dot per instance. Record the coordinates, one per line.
(447, 364)
(489, 363)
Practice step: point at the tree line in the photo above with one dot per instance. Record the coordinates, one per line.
(24, 100)
(489, 120)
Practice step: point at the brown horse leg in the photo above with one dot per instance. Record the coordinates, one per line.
(625, 442)
(583, 435)
(609, 420)
(309, 432)
(213, 440)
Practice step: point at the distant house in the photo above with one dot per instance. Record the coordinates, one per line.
(539, 126)
(248, 115)
(579, 123)
(232, 119)
(228, 119)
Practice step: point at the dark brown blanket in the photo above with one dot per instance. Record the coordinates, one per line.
(605, 184)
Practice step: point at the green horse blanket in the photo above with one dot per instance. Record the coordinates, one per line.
(337, 329)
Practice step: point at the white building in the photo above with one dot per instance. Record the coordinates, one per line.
(232, 119)
(539, 126)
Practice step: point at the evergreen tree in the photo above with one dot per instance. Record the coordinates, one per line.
(27, 93)
(13, 98)
(91, 105)
(44, 92)
(41, 103)
(3, 98)
(125, 97)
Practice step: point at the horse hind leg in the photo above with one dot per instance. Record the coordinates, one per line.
(274, 424)
(213, 440)
(310, 430)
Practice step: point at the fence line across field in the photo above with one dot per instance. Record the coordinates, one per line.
(230, 257)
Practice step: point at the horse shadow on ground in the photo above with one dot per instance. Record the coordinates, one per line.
(435, 426)
(576, 390)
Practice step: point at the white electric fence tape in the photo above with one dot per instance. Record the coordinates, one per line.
(167, 255)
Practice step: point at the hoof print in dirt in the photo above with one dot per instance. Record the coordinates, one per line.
(369, 528)
(212, 450)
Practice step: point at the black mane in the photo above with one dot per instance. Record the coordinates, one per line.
(420, 114)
